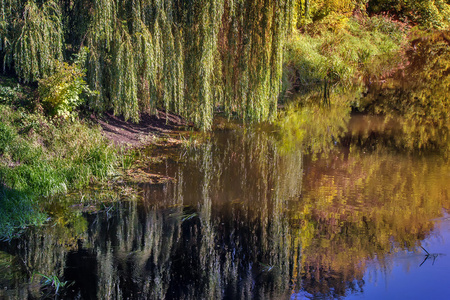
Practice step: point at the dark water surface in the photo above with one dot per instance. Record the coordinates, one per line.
(248, 218)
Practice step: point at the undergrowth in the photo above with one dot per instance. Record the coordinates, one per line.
(342, 50)
(41, 157)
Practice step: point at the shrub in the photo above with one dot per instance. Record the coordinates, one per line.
(61, 92)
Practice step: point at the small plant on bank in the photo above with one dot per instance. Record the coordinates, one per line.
(61, 93)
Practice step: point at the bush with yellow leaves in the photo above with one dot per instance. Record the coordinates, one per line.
(61, 92)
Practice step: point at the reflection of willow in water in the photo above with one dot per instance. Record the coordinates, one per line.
(42, 253)
(218, 231)
(243, 219)
(312, 127)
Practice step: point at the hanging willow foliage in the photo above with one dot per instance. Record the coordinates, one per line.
(33, 40)
(135, 62)
(186, 56)
(251, 48)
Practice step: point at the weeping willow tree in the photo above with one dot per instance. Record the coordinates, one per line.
(31, 37)
(184, 56)
(251, 48)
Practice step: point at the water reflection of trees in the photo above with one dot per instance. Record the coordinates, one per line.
(312, 127)
(244, 218)
(416, 97)
(43, 252)
(361, 207)
(218, 231)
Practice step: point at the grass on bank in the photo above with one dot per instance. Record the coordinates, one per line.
(341, 49)
(41, 157)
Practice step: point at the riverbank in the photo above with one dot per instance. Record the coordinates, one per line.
(149, 130)
(42, 156)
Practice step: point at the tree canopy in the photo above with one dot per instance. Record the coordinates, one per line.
(184, 56)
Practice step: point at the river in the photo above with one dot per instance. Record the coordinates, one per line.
(250, 214)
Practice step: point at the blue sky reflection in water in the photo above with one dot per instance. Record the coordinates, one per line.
(411, 275)
(414, 275)
(248, 218)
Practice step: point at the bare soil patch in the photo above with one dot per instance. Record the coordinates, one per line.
(132, 135)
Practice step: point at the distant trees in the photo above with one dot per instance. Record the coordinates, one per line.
(430, 13)
(307, 11)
